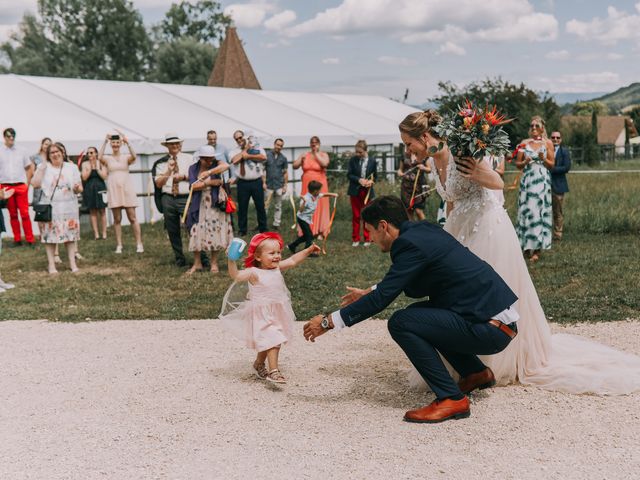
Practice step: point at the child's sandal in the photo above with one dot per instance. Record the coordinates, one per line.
(261, 371)
(275, 376)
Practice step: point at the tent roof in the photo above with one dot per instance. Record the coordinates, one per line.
(80, 112)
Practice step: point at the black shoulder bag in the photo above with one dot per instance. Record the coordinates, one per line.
(43, 212)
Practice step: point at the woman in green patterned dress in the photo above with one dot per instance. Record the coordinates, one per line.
(534, 200)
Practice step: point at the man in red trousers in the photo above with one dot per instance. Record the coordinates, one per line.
(16, 170)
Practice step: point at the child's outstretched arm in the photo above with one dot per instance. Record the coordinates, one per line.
(299, 257)
(328, 194)
(241, 275)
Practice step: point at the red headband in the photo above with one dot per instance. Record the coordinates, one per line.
(257, 240)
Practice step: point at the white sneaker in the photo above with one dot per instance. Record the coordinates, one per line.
(119, 249)
(366, 244)
(6, 286)
(355, 244)
(140, 249)
(78, 256)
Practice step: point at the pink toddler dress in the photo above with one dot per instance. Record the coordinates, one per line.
(265, 318)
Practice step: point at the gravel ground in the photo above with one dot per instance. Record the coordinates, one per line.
(177, 400)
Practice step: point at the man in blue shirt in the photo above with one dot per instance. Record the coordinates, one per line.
(275, 180)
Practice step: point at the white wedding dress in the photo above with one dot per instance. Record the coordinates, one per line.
(559, 362)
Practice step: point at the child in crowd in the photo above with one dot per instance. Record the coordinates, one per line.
(4, 195)
(308, 205)
(265, 319)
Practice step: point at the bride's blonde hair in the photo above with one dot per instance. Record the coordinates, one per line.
(415, 124)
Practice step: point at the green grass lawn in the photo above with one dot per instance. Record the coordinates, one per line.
(590, 276)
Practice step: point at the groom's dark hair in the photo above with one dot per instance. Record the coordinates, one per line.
(387, 208)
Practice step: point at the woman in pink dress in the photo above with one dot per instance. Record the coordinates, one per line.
(314, 167)
(120, 190)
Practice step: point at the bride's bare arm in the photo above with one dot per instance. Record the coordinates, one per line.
(480, 173)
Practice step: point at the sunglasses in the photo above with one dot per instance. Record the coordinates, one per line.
(555, 138)
(535, 125)
(237, 139)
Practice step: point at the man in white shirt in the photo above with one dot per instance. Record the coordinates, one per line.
(16, 170)
(171, 176)
(247, 162)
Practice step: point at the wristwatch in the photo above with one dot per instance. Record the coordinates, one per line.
(325, 323)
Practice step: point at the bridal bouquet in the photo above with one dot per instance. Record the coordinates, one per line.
(474, 132)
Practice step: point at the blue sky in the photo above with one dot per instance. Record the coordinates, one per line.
(384, 46)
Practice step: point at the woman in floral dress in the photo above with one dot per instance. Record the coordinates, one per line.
(534, 221)
(60, 183)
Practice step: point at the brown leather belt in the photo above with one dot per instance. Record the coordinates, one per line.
(503, 328)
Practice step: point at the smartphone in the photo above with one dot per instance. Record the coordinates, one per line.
(115, 137)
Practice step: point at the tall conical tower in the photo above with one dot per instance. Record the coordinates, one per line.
(232, 68)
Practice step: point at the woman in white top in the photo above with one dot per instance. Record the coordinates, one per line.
(60, 183)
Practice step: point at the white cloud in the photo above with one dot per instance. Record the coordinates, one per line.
(598, 56)
(397, 61)
(618, 26)
(280, 20)
(558, 55)
(249, 15)
(451, 49)
(331, 61)
(435, 21)
(581, 82)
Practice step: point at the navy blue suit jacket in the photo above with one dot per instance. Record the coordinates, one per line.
(354, 173)
(558, 172)
(428, 262)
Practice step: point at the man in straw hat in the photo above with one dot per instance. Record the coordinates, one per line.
(171, 179)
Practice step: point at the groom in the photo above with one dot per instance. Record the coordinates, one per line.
(469, 310)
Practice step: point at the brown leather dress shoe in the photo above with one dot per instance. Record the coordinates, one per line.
(439, 411)
(481, 380)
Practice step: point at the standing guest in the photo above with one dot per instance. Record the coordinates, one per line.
(308, 206)
(414, 181)
(60, 182)
(37, 159)
(248, 164)
(362, 173)
(275, 179)
(559, 185)
(171, 176)
(314, 165)
(535, 160)
(222, 152)
(4, 196)
(16, 171)
(93, 176)
(207, 222)
(120, 190)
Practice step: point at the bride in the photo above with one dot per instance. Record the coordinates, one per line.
(477, 220)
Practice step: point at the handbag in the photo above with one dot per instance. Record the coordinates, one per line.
(44, 211)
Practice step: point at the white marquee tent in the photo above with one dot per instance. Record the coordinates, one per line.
(79, 113)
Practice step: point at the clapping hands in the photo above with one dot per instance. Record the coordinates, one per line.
(6, 193)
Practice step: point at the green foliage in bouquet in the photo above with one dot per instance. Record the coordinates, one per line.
(474, 132)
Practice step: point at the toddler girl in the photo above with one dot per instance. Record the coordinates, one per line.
(264, 321)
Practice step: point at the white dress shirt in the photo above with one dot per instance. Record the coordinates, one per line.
(13, 162)
(184, 161)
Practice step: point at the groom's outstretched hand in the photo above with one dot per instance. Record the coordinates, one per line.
(313, 329)
(353, 295)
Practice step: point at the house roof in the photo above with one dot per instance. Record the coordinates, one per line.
(610, 127)
(232, 68)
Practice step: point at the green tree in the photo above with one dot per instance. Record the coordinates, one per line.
(586, 109)
(186, 42)
(202, 21)
(97, 39)
(514, 101)
(184, 61)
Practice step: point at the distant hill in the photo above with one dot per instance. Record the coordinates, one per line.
(621, 98)
(565, 98)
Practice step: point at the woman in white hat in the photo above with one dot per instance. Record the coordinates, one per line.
(207, 222)
(120, 190)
